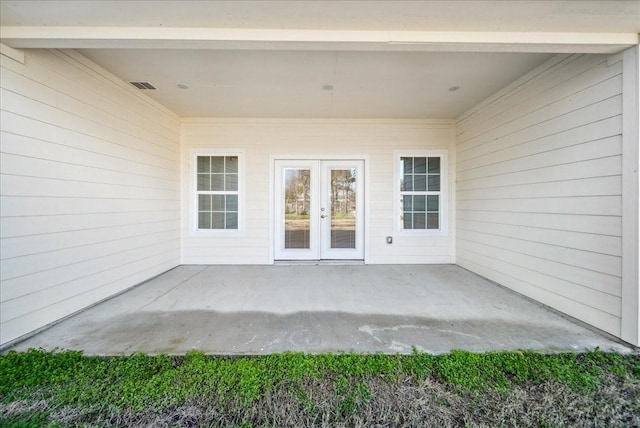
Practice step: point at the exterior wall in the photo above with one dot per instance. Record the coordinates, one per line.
(264, 139)
(90, 184)
(539, 187)
(630, 195)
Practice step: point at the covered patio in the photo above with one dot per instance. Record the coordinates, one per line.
(242, 310)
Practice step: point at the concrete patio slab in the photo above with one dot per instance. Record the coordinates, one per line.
(266, 309)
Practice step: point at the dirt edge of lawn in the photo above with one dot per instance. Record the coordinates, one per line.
(66, 388)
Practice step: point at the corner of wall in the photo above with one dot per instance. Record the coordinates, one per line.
(630, 326)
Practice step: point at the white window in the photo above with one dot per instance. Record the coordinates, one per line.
(420, 183)
(217, 191)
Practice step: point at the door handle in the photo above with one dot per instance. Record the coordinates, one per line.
(323, 216)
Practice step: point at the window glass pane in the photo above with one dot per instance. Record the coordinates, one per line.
(231, 182)
(407, 165)
(419, 183)
(433, 221)
(217, 220)
(204, 182)
(217, 164)
(434, 165)
(407, 203)
(217, 202)
(204, 164)
(434, 183)
(418, 177)
(231, 163)
(232, 221)
(217, 174)
(217, 182)
(204, 220)
(232, 202)
(407, 222)
(204, 202)
(408, 183)
(432, 203)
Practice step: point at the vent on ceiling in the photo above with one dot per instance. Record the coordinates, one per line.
(143, 85)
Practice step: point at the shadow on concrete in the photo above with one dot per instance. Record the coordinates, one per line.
(247, 333)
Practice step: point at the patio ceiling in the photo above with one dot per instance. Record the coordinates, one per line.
(310, 59)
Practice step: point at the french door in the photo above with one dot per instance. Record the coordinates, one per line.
(319, 210)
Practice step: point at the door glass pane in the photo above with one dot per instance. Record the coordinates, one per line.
(297, 201)
(343, 208)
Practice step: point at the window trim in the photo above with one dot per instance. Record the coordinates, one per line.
(444, 193)
(193, 193)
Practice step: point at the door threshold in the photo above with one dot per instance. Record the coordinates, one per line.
(318, 262)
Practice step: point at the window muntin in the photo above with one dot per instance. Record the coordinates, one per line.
(217, 192)
(420, 192)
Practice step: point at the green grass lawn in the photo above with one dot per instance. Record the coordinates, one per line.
(40, 388)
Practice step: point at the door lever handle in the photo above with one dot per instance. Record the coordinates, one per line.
(323, 216)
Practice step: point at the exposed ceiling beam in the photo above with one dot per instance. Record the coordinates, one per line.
(274, 39)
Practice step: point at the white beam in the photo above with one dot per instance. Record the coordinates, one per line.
(226, 38)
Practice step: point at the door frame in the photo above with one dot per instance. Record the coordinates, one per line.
(272, 192)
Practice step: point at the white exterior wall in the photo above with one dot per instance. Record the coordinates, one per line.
(89, 188)
(539, 187)
(630, 195)
(263, 139)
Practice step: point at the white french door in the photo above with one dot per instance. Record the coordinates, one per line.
(319, 210)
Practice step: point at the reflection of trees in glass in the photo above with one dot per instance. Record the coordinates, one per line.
(343, 191)
(297, 192)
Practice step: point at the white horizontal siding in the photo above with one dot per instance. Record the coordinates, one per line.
(264, 138)
(539, 188)
(89, 188)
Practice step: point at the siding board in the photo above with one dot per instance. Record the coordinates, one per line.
(604, 109)
(11, 227)
(587, 97)
(606, 225)
(598, 262)
(553, 73)
(89, 192)
(596, 243)
(580, 152)
(604, 302)
(65, 73)
(604, 167)
(59, 309)
(539, 188)
(23, 106)
(82, 156)
(590, 132)
(479, 264)
(30, 274)
(124, 149)
(596, 186)
(571, 86)
(601, 282)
